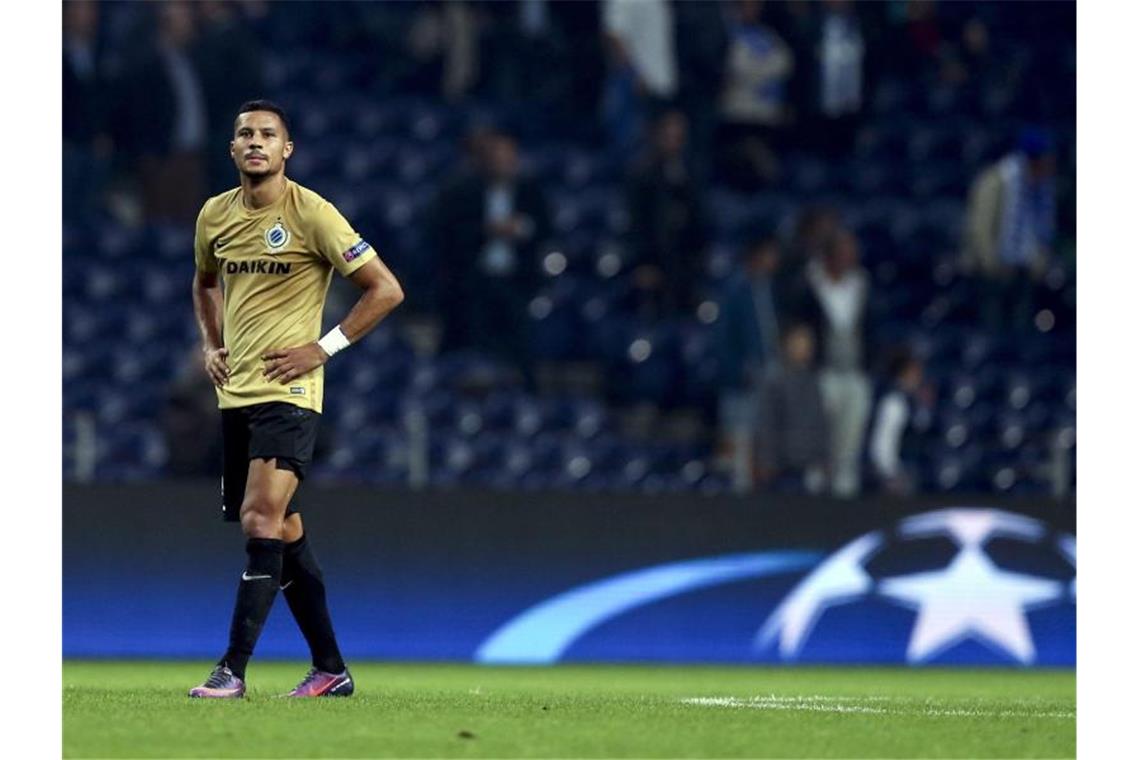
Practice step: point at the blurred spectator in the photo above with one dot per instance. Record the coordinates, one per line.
(747, 338)
(792, 439)
(1010, 229)
(667, 220)
(892, 419)
(231, 66)
(531, 57)
(748, 325)
(517, 38)
(829, 43)
(454, 235)
(443, 43)
(815, 227)
(86, 144)
(460, 48)
(840, 289)
(975, 47)
(701, 58)
(163, 120)
(841, 56)
(492, 262)
(579, 24)
(191, 415)
(475, 158)
(82, 73)
(798, 25)
(642, 63)
(753, 108)
(966, 64)
(923, 33)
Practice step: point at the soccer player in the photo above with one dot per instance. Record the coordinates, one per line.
(274, 245)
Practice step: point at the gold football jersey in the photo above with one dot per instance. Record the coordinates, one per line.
(275, 264)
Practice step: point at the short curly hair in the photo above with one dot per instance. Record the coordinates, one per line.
(265, 105)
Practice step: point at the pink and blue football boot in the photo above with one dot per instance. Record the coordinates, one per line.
(222, 684)
(321, 684)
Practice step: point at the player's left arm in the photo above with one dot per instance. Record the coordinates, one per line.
(381, 294)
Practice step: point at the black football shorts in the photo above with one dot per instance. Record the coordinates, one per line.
(274, 430)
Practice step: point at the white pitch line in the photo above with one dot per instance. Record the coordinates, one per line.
(897, 706)
(784, 703)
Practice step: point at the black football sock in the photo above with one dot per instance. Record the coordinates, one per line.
(304, 587)
(256, 592)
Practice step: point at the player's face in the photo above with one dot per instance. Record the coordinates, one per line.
(260, 145)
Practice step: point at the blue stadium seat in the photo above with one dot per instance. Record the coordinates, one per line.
(172, 242)
(115, 241)
(1019, 390)
(498, 410)
(351, 416)
(105, 284)
(958, 470)
(131, 449)
(555, 323)
(528, 417)
(587, 417)
(451, 458)
(806, 175)
(701, 368)
(435, 407)
(643, 360)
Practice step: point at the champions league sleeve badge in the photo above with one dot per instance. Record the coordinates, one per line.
(276, 236)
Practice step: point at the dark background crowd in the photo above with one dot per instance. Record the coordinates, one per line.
(823, 247)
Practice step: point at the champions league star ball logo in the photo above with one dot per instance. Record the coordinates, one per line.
(994, 569)
(961, 585)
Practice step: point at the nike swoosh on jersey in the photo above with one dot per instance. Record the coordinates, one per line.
(245, 576)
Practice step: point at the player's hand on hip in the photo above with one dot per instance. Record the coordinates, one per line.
(216, 367)
(285, 364)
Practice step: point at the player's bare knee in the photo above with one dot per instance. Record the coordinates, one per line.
(259, 519)
(257, 525)
(252, 523)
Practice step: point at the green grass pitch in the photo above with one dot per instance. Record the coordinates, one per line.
(139, 709)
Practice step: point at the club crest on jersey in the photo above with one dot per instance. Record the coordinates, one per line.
(276, 236)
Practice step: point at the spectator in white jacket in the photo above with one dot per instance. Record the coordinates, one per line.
(840, 290)
(753, 103)
(893, 417)
(641, 78)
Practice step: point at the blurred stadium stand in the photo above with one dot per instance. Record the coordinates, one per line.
(620, 400)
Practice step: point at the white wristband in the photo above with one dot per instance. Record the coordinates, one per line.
(334, 341)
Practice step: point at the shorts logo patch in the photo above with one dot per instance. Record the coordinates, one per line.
(276, 236)
(297, 390)
(355, 251)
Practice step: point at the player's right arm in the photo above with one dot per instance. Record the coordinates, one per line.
(209, 307)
